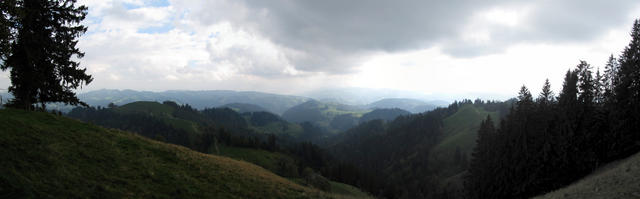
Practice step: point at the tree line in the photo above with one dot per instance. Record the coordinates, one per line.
(547, 142)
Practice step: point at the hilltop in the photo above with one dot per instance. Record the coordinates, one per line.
(323, 114)
(45, 155)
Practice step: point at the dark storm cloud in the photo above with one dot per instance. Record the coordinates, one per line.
(334, 35)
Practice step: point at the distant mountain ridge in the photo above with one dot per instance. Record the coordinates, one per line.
(246, 101)
(362, 96)
(274, 103)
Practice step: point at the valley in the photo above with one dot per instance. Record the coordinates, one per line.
(319, 99)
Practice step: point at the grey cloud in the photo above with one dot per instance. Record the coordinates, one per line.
(568, 21)
(333, 35)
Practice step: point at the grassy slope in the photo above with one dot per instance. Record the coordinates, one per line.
(340, 190)
(460, 130)
(51, 156)
(347, 190)
(619, 179)
(269, 160)
(263, 158)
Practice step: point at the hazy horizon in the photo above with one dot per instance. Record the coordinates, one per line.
(453, 49)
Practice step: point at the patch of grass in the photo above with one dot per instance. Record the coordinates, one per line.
(347, 190)
(48, 156)
(620, 179)
(340, 190)
(263, 158)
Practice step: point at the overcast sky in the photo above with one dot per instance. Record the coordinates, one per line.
(284, 46)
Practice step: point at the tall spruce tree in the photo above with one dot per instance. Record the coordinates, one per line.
(585, 83)
(546, 95)
(480, 181)
(627, 93)
(569, 94)
(609, 77)
(38, 41)
(599, 87)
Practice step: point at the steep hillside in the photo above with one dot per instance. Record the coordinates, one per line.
(44, 155)
(401, 152)
(394, 153)
(460, 132)
(619, 179)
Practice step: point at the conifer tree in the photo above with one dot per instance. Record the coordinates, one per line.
(525, 99)
(38, 46)
(599, 87)
(585, 83)
(568, 95)
(479, 182)
(627, 92)
(609, 77)
(546, 95)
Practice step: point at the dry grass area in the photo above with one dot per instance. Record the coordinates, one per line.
(619, 179)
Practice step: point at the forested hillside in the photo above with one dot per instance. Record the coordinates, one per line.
(549, 142)
(413, 155)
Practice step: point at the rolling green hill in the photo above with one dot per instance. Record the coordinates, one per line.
(44, 156)
(460, 131)
(160, 111)
(188, 119)
(383, 114)
(320, 114)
